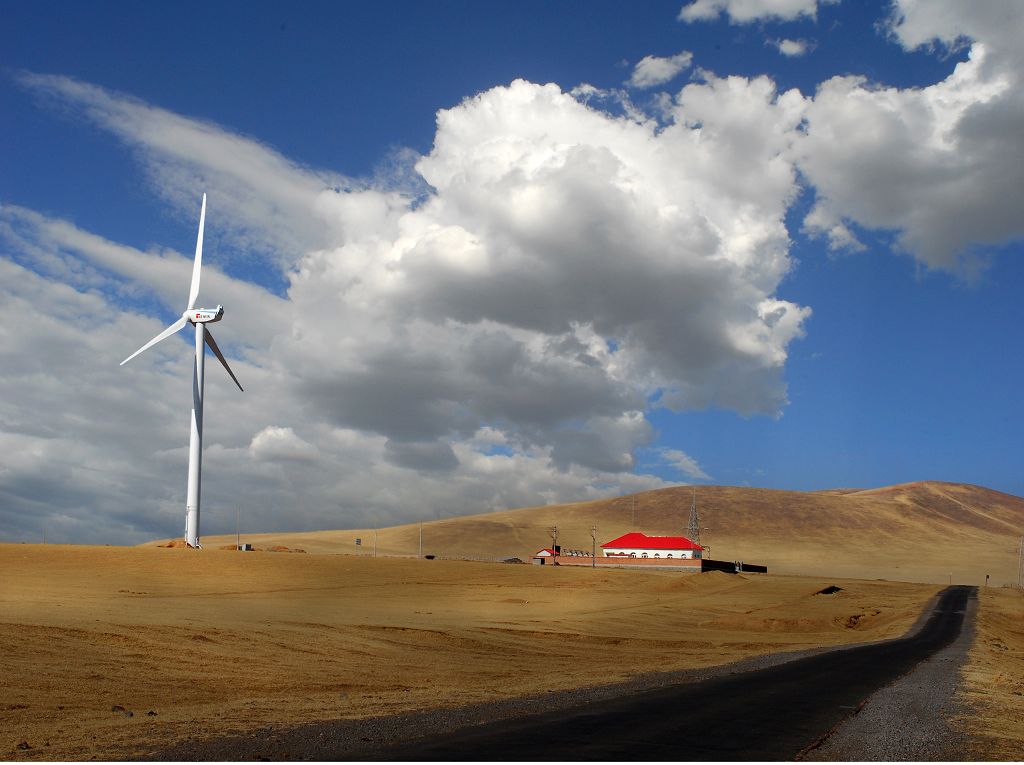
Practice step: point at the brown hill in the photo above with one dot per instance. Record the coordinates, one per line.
(925, 531)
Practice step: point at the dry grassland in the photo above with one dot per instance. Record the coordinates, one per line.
(217, 641)
(994, 676)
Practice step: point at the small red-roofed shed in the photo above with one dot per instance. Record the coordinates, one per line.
(637, 545)
(543, 556)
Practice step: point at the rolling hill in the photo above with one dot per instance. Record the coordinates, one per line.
(924, 532)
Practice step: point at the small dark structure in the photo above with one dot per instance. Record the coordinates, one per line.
(830, 590)
(731, 566)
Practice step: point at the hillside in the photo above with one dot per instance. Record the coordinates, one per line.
(923, 531)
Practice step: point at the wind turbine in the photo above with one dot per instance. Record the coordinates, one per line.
(199, 318)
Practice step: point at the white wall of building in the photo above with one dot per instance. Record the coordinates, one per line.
(616, 552)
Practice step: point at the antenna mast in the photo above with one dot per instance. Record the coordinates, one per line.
(694, 527)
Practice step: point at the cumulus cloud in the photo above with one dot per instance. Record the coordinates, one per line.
(792, 48)
(97, 452)
(277, 443)
(493, 342)
(747, 11)
(657, 70)
(940, 165)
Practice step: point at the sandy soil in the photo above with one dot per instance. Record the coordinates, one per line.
(216, 641)
(994, 676)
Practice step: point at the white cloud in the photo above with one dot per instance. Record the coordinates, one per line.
(684, 463)
(96, 452)
(940, 165)
(276, 443)
(494, 344)
(947, 23)
(657, 70)
(792, 48)
(255, 188)
(747, 11)
(63, 251)
(820, 222)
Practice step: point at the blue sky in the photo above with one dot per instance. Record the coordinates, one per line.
(453, 289)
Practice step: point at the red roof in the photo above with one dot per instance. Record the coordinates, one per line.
(547, 550)
(637, 541)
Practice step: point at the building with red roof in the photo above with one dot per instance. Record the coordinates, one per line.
(637, 545)
(543, 556)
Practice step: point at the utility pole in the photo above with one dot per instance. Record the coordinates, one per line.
(374, 535)
(421, 539)
(593, 548)
(554, 540)
(1020, 563)
(238, 529)
(634, 513)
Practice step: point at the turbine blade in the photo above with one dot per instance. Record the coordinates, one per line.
(166, 333)
(193, 293)
(216, 352)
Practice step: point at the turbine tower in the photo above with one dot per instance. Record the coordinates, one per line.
(199, 318)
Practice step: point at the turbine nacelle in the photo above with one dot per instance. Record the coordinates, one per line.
(204, 315)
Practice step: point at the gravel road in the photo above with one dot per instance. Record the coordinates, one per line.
(910, 719)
